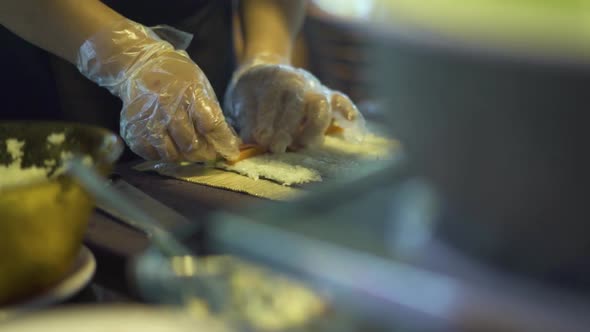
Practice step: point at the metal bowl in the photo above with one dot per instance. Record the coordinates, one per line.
(42, 224)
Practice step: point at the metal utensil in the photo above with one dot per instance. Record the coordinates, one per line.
(106, 195)
(167, 217)
(184, 283)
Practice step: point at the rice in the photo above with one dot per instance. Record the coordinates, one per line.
(335, 158)
(14, 174)
(56, 138)
(15, 149)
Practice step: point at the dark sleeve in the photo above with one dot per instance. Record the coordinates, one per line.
(153, 12)
(28, 90)
(212, 47)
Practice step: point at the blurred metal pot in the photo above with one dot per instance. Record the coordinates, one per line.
(502, 135)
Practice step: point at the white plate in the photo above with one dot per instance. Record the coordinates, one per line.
(78, 277)
(122, 318)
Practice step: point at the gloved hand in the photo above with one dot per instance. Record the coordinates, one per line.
(170, 111)
(278, 106)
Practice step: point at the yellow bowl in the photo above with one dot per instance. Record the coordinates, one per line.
(42, 224)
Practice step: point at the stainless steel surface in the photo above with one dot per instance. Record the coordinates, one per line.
(167, 217)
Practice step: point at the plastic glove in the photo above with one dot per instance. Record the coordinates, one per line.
(170, 111)
(279, 107)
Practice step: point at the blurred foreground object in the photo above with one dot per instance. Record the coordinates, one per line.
(371, 245)
(42, 222)
(494, 117)
(243, 295)
(339, 42)
(549, 26)
(117, 318)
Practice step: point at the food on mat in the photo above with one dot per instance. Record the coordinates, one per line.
(336, 157)
(252, 150)
(334, 130)
(247, 151)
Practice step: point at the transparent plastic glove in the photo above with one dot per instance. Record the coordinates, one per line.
(170, 111)
(278, 106)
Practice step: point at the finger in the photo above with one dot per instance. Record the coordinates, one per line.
(317, 119)
(245, 118)
(344, 106)
(142, 108)
(193, 153)
(142, 148)
(183, 133)
(211, 124)
(204, 151)
(166, 149)
(348, 117)
(289, 122)
(133, 129)
(268, 107)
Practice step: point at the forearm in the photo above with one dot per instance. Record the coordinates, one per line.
(270, 26)
(58, 26)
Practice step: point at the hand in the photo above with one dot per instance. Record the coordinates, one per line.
(170, 111)
(279, 107)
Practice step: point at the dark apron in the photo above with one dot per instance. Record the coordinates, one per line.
(210, 21)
